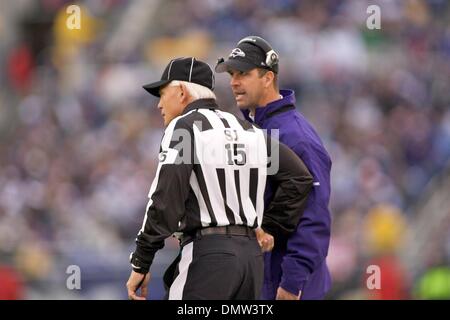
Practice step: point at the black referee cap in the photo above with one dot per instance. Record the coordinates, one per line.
(184, 69)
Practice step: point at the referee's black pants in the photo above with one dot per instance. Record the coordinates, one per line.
(217, 267)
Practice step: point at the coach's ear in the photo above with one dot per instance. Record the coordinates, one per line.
(269, 77)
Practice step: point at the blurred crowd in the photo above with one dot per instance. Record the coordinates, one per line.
(79, 136)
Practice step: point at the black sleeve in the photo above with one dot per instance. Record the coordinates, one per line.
(292, 183)
(167, 195)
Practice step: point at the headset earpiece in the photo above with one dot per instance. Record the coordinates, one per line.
(271, 58)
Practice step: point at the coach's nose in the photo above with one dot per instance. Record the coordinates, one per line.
(234, 81)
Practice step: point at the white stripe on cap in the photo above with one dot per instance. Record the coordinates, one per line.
(170, 67)
(190, 72)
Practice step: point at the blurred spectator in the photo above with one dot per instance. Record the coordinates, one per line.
(20, 68)
(11, 287)
(434, 284)
(384, 231)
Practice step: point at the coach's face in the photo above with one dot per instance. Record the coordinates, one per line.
(248, 87)
(171, 102)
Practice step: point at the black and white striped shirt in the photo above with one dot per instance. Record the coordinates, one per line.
(212, 172)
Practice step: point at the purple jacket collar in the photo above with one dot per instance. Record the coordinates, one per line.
(262, 112)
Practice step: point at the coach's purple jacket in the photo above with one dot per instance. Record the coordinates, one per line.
(298, 263)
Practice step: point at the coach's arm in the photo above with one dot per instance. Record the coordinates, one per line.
(292, 183)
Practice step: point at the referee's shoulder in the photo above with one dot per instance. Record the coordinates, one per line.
(246, 125)
(193, 118)
(183, 121)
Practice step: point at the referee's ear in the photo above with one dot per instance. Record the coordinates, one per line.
(184, 94)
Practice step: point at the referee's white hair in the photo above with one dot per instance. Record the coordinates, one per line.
(196, 91)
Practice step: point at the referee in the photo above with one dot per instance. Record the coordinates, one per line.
(209, 189)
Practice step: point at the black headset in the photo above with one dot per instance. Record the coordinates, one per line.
(272, 57)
